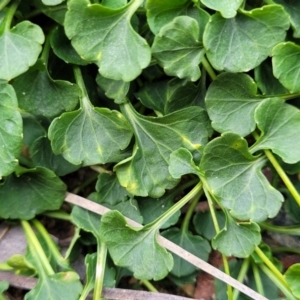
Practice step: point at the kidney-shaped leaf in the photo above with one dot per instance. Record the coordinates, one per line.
(160, 13)
(10, 130)
(90, 135)
(135, 249)
(39, 94)
(237, 239)
(146, 172)
(19, 49)
(38, 190)
(279, 123)
(234, 178)
(227, 8)
(240, 44)
(230, 101)
(177, 48)
(107, 37)
(286, 65)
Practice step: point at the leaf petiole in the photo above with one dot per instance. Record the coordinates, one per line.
(52, 246)
(257, 279)
(290, 230)
(208, 68)
(10, 14)
(284, 289)
(241, 276)
(100, 269)
(270, 265)
(36, 248)
(281, 172)
(169, 213)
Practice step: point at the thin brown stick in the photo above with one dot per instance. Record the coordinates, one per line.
(29, 283)
(201, 264)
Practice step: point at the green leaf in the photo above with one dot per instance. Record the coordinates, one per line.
(181, 163)
(146, 171)
(231, 101)
(237, 239)
(178, 50)
(292, 7)
(125, 245)
(151, 209)
(60, 286)
(90, 135)
(4, 285)
(62, 47)
(42, 155)
(10, 130)
(204, 225)
(240, 44)
(109, 189)
(266, 82)
(86, 220)
(52, 2)
(128, 208)
(98, 40)
(39, 189)
(160, 13)
(113, 89)
(292, 277)
(227, 8)
(236, 181)
(279, 124)
(286, 65)
(26, 36)
(194, 244)
(169, 96)
(32, 129)
(39, 94)
(114, 3)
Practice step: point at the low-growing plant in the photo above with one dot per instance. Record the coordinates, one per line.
(171, 104)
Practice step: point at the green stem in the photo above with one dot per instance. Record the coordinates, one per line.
(189, 213)
(84, 100)
(3, 4)
(257, 278)
(50, 243)
(211, 209)
(270, 265)
(36, 248)
(283, 176)
(283, 96)
(277, 282)
(73, 242)
(241, 276)
(208, 68)
(285, 249)
(46, 50)
(290, 230)
(217, 229)
(25, 161)
(45, 11)
(280, 171)
(5, 267)
(177, 206)
(149, 285)
(100, 269)
(10, 14)
(59, 214)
